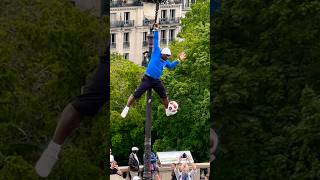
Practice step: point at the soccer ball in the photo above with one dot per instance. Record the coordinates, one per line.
(173, 106)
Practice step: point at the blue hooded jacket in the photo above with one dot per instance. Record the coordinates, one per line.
(156, 64)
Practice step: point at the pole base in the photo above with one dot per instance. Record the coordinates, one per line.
(147, 176)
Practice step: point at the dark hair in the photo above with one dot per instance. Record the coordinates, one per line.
(184, 155)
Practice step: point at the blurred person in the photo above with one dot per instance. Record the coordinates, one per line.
(134, 163)
(182, 171)
(114, 168)
(154, 167)
(111, 156)
(173, 174)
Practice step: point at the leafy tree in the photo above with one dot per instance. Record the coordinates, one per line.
(264, 69)
(47, 50)
(188, 85)
(125, 133)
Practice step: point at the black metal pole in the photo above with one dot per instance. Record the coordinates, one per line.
(147, 175)
(147, 139)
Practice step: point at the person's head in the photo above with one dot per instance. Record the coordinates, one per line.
(173, 166)
(165, 53)
(114, 164)
(110, 151)
(134, 150)
(184, 167)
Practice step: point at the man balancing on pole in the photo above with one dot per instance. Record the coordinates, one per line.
(95, 95)
(151, 78)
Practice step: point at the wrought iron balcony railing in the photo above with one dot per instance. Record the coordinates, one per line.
(124, 3)
(145, 43)
(126, 44)
(169, 20)
(163, 41)
(147, 22)
(128, 23)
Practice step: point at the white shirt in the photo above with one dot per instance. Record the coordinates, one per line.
(191, 174)
(135, 156)
(111, 158)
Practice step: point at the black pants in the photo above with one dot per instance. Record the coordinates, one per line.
(96, 91)
(148, 82)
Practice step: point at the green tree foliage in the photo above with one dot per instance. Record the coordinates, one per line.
(189, 86)
(265, 89)
(125, 133)
(47, 50)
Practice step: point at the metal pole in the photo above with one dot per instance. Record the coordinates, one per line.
(147, 139)
(147, 175)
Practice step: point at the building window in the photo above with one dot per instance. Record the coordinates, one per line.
(163, 37)
(186, 4)
(171, 34)
(163, 13)
(126, 17)
(172, 13)
(126, 55)
(113, 40)
(145, 39)
(163, 18)
(126, 43)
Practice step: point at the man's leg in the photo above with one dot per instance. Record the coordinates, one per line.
(165, 102)
(131, 100)
(145, 84)
(161, 91)
(69, 120)
(94, 96)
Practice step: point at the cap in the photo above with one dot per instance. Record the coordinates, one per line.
(166, 51)
(134, 149)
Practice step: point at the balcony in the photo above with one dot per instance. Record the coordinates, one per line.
(113, 45)
(163, 41)
(169, 20)
(171, 39)
(174, 2)
(126, 44)
(145, 43)
(128, 23)
(147, 22)
(124, 4)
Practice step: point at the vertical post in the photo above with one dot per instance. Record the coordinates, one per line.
(147, 138)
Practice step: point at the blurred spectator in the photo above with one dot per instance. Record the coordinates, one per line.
(154, 167)
(173, 174)
(114, 169)
(182, 171)
(111, 157)
(134, 162)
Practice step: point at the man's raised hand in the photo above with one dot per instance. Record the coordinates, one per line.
(182, 56)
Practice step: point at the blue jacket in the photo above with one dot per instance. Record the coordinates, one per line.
(156, 64)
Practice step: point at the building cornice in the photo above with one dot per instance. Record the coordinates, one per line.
(141, 7)
(125, 8)
(170, 6)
